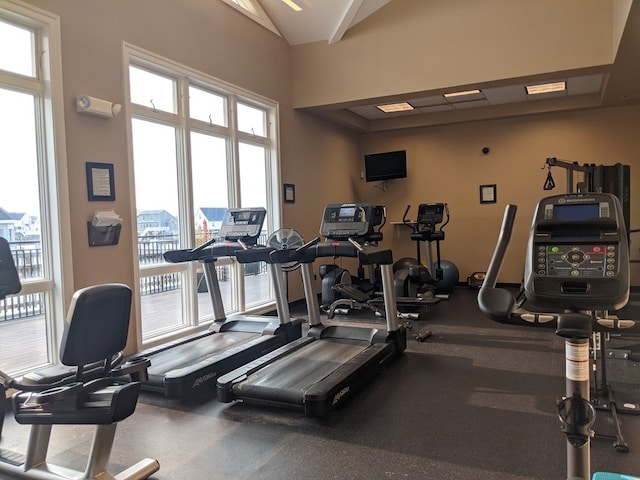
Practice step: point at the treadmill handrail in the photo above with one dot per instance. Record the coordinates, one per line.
(211, 251)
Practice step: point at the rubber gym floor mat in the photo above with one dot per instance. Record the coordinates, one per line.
(475, 400)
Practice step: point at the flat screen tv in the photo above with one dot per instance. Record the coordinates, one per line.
(385, 166)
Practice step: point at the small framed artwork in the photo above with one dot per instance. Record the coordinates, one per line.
(289, 193)
(100, 182)
(488, 194)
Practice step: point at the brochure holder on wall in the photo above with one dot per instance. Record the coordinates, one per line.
(102, 236)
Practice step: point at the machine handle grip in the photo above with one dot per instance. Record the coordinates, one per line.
(404, 215)
(504, 238)
(497, 303)
(307, 245)
(353, 242)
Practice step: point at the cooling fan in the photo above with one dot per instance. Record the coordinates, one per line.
(286, 238)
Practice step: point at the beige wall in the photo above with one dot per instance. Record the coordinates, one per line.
(420, 45)
(446, 164)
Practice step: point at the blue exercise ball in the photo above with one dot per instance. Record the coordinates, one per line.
(450, 275)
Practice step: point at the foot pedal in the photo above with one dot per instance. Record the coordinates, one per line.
(12, 458)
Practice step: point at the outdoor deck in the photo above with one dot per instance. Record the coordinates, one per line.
(23, 341)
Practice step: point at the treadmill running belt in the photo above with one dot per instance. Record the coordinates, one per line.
(287, 379)
(191, 353)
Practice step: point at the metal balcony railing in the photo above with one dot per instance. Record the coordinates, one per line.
(28, 260)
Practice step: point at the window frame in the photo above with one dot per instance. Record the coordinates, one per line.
(47, 88)
(185, 77)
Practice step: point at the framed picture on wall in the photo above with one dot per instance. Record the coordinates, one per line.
(289, 193)
(488, 194)
(100, 182)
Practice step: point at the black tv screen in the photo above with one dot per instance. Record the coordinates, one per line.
(385, 166)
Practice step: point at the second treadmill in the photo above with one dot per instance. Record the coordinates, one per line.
(319, 372)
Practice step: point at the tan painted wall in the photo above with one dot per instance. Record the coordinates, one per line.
(420, 45)
(446, 164)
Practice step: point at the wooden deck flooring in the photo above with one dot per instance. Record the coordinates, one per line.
(23, 344)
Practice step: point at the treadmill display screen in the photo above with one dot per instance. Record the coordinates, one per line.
(244, 216)
(346, 214)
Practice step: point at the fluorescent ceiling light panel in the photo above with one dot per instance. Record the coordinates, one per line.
(395, 107)
(546, 88)
(292, 5)
(461, 94)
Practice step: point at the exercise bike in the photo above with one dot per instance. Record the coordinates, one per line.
(96, 329)
(577, 266)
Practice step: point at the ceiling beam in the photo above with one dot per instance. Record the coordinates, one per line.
(344, 24)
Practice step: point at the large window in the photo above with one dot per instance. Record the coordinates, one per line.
(33, 200)
(198, 147)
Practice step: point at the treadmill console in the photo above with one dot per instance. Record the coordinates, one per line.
(346, 220)
(578, 254)
(242, 224)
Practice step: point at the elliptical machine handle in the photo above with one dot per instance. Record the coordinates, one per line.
(404, 216)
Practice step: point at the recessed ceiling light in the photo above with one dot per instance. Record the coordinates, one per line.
(395, 107)
(292, 5)
(546, 88)
(460, 94)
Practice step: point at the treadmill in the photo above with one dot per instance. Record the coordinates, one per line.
(320, 371)
(191, 365)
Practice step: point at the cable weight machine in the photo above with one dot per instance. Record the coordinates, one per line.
(613, 179)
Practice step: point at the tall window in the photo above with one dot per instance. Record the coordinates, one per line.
(199, 146)
(33, 205)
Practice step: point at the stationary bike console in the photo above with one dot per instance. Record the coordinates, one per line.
(577, 255)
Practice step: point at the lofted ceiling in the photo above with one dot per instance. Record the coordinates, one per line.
(318, 20)
(328, 21)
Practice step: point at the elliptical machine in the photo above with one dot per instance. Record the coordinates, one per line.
(365, 282)
(411, 278)
(577, 265)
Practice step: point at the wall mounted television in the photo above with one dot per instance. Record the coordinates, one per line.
(385, 166)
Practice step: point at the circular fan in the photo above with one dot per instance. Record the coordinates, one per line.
(286, 238)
